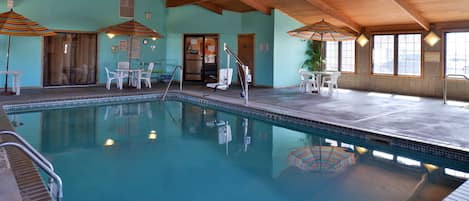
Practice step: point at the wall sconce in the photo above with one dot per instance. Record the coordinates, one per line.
(109, 142)
(432, 38)
(114, 49)
(362, 40)
(152, 135)
(154, 38)
(110, 35)
(148, 15)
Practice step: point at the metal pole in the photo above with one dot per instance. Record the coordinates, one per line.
(246, 96)
(445, 86)
(43, 166)
(7, 63)
(180, 78)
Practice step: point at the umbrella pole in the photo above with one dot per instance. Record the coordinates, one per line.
(7, 62)
(130, 50)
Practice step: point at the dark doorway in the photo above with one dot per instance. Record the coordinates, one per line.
(70, 59)
(200, 58)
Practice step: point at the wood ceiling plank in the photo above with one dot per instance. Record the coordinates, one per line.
(327, 9)
(413, 13)
(211, 7)
(176, 3)
(258, 6)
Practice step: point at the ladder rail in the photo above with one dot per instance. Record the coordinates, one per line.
(163, 97)
(244, 86)
(28, 146)
(445, 84)
(55, 192)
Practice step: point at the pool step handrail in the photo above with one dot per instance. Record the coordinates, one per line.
(28, 146)
(445, 85)
(55, 183)
(163, 97)
(245, 68)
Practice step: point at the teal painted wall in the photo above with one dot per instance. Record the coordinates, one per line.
(263, 26)
(197, 20)
(288, 51)
(83, 15)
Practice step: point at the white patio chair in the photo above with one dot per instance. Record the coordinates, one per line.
(308, 81)
(124, 65)
(331, 81)
(146, 75)
(113, 76)
(224, 79)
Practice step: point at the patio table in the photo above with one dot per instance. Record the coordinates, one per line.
(134, 76)
(16, 87)
(318, 75)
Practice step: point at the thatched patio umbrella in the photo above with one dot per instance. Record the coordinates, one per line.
(14, 24)
(131, 28)
(322, 31)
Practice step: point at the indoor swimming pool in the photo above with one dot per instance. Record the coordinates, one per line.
(173, 150)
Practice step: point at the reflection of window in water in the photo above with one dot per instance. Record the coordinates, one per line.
(128, 110)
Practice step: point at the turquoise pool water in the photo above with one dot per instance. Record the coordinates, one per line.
(110, 153)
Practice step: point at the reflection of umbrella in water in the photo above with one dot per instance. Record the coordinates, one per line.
(321, 158)
(322, 31)
(131, 28)
(14, 24)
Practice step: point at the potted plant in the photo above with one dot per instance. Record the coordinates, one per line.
(313, 56)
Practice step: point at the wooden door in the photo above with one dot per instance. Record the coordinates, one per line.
(246, 49)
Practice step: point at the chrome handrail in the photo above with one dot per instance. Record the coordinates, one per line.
(55, 192)
(28, 146)
(163, 97)
(445, 87)
(245, 68)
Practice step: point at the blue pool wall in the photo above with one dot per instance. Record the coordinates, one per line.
(275, 66)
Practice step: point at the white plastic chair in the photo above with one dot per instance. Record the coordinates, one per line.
(146, 75)
(113, 76)
(331, 81)
(308, 81)
(124, 65)
(224, 79)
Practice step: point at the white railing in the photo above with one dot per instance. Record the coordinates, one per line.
(245, 69)
(163, 97)
(55, 182)
(445, 87)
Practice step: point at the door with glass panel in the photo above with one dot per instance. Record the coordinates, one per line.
(200, 58)
(70, 59)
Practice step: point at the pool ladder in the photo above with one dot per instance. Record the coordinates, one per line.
(445, 84)
(55, 182)
(163, 97)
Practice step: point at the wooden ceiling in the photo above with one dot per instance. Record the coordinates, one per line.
(354, 14)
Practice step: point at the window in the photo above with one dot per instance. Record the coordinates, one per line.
(457, 53)
(397, 54)
(126, 8)
(383, 54)
(340, 56)
(332, 56)
(348, 56)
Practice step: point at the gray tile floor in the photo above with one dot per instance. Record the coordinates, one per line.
(416, 118)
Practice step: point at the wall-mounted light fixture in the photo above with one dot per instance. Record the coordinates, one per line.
(432, 38)
(114, 49)
(148, 15)
(362, 40)
(110, 35)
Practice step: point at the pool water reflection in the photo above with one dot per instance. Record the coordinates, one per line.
(178, 151)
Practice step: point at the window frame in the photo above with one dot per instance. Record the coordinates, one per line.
(396, 54)
(339, 57)
(443, 49)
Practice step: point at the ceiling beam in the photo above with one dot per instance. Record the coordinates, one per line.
(325, 8)
(413, 13)
(211, 7)
(176, 3)
(258, 6)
